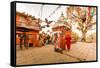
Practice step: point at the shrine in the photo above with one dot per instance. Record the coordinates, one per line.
(28, 27)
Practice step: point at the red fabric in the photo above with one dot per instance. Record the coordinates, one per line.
(88, 11)
(68, 41)
(61, 43)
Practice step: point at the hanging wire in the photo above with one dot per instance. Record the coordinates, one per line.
(54, 11)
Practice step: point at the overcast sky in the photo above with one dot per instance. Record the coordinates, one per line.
(35, 10)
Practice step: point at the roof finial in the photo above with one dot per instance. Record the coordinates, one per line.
(62, 14)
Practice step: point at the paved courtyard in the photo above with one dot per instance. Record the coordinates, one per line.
(43, 55)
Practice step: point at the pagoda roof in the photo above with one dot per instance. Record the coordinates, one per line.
(58, 24)
(25, 15)
(24, 28)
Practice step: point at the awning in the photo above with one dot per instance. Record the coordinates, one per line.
(25, 28)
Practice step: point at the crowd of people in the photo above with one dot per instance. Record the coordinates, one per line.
(62, 41)
(31, 40)
(44, 39)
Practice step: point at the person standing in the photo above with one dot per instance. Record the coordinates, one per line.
(68, 39)
(25, 41)
(55, 41)
(21, 41)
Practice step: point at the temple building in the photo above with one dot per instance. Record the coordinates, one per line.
(28, 26)
(60, 25)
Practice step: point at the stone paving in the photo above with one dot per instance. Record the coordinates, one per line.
(46, 54)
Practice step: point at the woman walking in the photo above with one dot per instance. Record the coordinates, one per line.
(61, 41)
(59, 46)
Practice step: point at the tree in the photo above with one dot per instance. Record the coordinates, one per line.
(83, 17)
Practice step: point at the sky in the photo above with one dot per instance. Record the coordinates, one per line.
(35, 10)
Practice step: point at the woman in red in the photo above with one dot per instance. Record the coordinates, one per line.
(68, 39)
